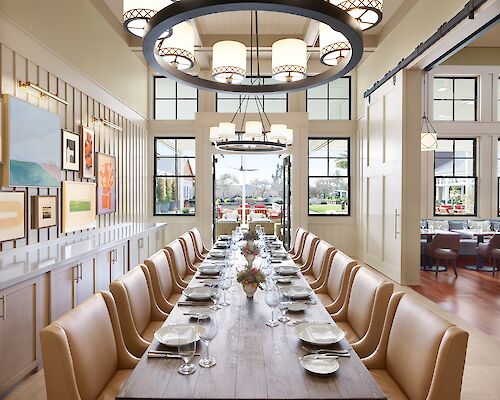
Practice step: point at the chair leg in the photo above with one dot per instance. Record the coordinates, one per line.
(437, 267)
(455, 267)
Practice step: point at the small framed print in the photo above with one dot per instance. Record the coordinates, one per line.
(87, 151)
(44, 211)
(12, 221)
(70, 151)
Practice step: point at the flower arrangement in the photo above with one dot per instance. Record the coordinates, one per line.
(251, 276)
(250, 249)
(250, 236)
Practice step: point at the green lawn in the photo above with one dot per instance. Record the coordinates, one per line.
(327, 208)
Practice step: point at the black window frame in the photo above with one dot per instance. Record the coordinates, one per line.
(176, 176)
(498, 176)
(454, 100)
(176, 98)
(348, 176)
(328, 98)
(474, 176)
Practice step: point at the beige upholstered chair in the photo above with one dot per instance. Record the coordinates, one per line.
(166, 291)
(363, 313)
(201, 250)
(420, 355)
(225, 227)
(140, 316)
(307, 254)
(267, 225)
(333, 292)
(178, 264)
(318, 270)
(188, 246)
(84, 354)
(298, 243)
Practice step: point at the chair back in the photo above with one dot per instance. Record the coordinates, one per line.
(178, 257)
(323, 251)
(189, 247)
(446, 241)
(310, 244)
(494, 243)
(338, 278)
(161, 277)
(298, 241)
(195, 232)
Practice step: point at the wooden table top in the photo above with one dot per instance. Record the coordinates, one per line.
(254, 361)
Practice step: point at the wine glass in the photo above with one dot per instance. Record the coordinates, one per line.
(208, 333)
(225, 282)
(272, 296)
(283, 306)
(186, 351)
(216, 298)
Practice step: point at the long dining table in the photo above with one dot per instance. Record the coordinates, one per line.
(254, 361)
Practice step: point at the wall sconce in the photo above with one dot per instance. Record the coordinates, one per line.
(104, 122)
(43, 93)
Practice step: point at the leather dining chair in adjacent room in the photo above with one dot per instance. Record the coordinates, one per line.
(333, 292)
(178, 263)
(140, 317)
(318, 270)
(490, 250)
(85, 357)
(444, 247)
(307, 253)
(363, 313)
(420, 355)
(165, 289)
(201, 250)
(298, 243)
(189, 247)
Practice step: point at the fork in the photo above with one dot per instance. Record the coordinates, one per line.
(322, 351)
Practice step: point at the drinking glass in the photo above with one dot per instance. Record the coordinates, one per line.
(225, 282)
(208, 333)
(216, 299)
(272, 296)
(186, 351)
(283, 306)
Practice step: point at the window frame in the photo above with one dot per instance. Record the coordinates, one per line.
(328, 98)
(498, 176)
(176, 98)
(348, 176)
(454, 100)
(176, 176)
(474, 176)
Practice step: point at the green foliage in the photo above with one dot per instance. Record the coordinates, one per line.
(160, 191)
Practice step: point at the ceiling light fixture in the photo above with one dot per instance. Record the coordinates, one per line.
(428, 135)
(367, 12)
(289, 60)
(229, 62)
(137, 13)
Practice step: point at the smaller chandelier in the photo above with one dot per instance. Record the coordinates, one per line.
(178, 49)
(289, 60)
(367, 12)
(229, 61)
(333, 45)
(137, 13)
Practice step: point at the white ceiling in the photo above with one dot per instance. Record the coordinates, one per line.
(490, 38)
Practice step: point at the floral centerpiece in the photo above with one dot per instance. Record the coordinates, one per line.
(250, 251)
(250, 278)
(250, 237)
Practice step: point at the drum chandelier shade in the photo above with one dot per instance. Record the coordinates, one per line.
(333, 45)
(289, 60)
(227, 130)
(136, 14)
(289, 136)
(253, 130)
(278, 133)
(178, 49)
(214, 133)
(367, 12)
(229, 61)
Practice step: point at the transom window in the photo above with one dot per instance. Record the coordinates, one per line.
(455, 98)
(455, 180)
(331, 101)
(329, 176)
(174, 176)
(174, 100)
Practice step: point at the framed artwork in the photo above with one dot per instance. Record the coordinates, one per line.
(70, 151)
(32, 140)
(78, 206)
(87, 150)
(106, 183)
(12, 211)
(44, 211)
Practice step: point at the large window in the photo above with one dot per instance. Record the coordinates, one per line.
(455, 178)
(229, 102)
(174, 100)
(330, 101)
(498, 176)
(329, 171)
(174, 176)
(498, 100)
(455, 98)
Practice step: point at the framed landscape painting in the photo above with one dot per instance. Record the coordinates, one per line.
(12, 211)
(106, 183)
(32, 140)
(78, 206)
(70, 151)
(87, 150)
(43, 211)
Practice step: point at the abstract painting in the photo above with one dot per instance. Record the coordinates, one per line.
(78, 206)
(106, 183)
(44, 211)
(12, 223)
(70, 151)
(33, 145)
(87, 153)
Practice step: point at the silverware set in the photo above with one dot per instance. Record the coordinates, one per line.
(328, 352)
(165, 354)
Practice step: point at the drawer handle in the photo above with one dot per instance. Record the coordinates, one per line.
(4, 307)
(80, 273)
(141, 243)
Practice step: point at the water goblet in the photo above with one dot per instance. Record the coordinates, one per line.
(186, 351)
(272, 296)
(225, 282)
(207, 334)
(216, 298)
(283, 306)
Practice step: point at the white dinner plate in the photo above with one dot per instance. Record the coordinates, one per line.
(199, 292)
(297, 292)
(209, 269)
(319, 333)
(297, 307)
(287, 269)
(178, 334)
(318, 365)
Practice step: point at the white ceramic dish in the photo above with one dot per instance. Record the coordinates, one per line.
(178, 334)
(287, 269)
(209, 269)
(199, 292)
(297, 307)
(297, 292)
(319, 333)
(319, 365)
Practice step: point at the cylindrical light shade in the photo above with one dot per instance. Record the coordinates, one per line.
(289, 136)
(214, 134)
(137, 13)
(428, 141)
(227, 131)
(289, 60)
(278, 133)
(333, 45)
(229, 61)
(253, 130)
(367, 12)
(178, 49)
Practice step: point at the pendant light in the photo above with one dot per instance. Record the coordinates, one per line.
(428, 135)
(333, 45)
(367, 12)
(229, 61)
(289, 60)
(137, 13)
(178, 49)
(253, 130)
